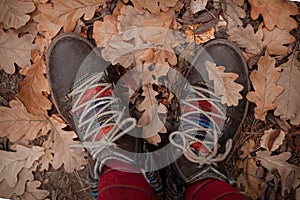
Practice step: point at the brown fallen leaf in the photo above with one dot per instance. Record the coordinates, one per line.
(265, 89)
(11, 163)
(139, 32)
(238, 2)
(272, 139)
(275, 39)
(284, 168)
(275, 13)
(15, 50)
(197, 5)
(233, 14)
(154, 6)
(30, 90)
(248, 178)
(16, 122)
(33, 193)
(58, 144)
(224, 84)
(14, 13)
(246, 38)
(25, 175)
(288, 103)
(104, 30)
(150, 120)
(59, 13)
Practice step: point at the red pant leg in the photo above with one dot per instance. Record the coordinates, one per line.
(210, 188)
(117, 184)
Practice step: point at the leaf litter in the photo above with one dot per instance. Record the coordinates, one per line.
(265, 162)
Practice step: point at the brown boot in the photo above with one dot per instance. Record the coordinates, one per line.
(207, 126)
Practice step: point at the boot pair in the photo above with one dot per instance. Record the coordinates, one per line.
(83, 91)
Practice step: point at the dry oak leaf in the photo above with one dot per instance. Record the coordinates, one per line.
(14, 49)
(30, 90)
(65, 14)
(275, 13)
(16, 122)
(275, 39)
(272, 139)
(224, 84)
(233, 13)
(25, 175)
(33, 193)
(11, 163)
(103, 31)
(265, 89)
(284, 168)
(58, 143)
(246, 38)
(154, 6)
(14, 13)
(197, 5)
(150, 120)
(288, 103)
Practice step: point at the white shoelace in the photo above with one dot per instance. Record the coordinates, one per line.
(88, 122)
(186, 136)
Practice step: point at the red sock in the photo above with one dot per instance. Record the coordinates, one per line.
(119, 182)
(210, 188)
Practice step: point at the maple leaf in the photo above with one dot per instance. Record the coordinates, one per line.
(272, 139)
(275, 39)
(246, 38)
(154, 6)
(15, 50)
(30, 90)
(58, 144)
(32, 192)
(265, 89)
(288, 103)
(11, 163)
(16, 122)
(64, 14)
(150, 120)
(14, 13)
(224, 84)
(275, 13)
(284, 168)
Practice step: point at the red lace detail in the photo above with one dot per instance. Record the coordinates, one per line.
(199, 147)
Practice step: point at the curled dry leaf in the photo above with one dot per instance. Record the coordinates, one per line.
(16, 122)
(265, 89)
(64, 14)
(272, 139)
(15, 50)
(246, 38)
(30, 90)
(284, 168)
(154, 6)
(288, 103)
(275, 39)
(14, 13)
(224, 84)
(11, 163)
(275, 13)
